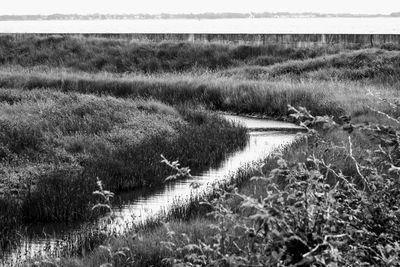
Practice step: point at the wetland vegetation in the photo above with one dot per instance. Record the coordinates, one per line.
(73, 109)
(55, 145)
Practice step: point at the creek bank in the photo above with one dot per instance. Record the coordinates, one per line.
(138, 207)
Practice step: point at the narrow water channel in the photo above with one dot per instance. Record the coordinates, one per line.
(265, 136)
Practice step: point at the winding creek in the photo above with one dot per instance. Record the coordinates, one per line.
(265, 137)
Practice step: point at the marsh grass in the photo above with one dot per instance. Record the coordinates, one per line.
(8, 236)
(99, 54)
(122, 55)
(218, 93)
(377, 65)
(311, 83)
(55, 145)
(70, 137)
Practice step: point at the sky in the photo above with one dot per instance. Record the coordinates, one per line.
(18, 7)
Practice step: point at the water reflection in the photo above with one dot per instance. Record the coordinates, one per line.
(260, 144)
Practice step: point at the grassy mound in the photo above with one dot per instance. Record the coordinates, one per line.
(54, 145)
(370, 64)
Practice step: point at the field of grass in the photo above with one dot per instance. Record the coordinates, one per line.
(122, 55)
(87, 108)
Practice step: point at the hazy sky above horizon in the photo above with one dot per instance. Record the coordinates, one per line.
(185, 6)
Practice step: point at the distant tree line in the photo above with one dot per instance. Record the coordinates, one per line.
(209, 15)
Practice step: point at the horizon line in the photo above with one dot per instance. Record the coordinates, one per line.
(283, 13)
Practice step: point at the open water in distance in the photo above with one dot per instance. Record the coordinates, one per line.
(259, 25)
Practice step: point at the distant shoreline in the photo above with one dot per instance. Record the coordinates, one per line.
(191, 16)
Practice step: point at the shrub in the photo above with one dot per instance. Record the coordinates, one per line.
(311, 213)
